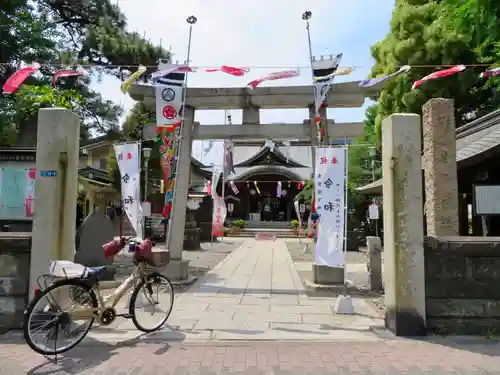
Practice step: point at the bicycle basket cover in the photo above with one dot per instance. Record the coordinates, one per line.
(143, 250)
(113, 247)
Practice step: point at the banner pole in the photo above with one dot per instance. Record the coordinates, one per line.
(346, 207)
(213, 207)
(191, 20)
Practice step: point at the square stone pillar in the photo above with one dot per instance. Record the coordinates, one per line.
(56, 190)
(178, 268)
(404, 277)
(251, 115)
(440, 168)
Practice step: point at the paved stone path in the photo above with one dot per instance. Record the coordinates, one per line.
(252, 316)
(254, 294)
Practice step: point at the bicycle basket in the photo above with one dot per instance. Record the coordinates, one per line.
(113, 247)
(158, 258)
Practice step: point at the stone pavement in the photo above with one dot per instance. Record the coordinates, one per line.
(266, 358)
(254, 294)
(251, 315)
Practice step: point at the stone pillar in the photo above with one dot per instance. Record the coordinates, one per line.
(403, 225)
(251, 115)
(324, 124)
(374, 263)
(177, 269)
(314, 138)
(56, 189)
(440, 166)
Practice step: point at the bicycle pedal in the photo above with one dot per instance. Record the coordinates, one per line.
(126, 316)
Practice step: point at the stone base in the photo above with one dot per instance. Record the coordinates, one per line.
(406, 323)
(344, 305)
(327, 275)
(176, 270)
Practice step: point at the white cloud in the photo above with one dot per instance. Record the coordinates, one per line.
(268, 34)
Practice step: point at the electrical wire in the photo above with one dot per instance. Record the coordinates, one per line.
(354, 67)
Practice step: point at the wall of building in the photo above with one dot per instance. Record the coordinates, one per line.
(15, 250)
(462, 279)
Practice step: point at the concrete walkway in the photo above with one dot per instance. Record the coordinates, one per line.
(254, 294)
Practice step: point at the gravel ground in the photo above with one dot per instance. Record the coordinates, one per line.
(302, 253)
(200, 261)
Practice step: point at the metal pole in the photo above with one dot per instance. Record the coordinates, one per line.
(224, 165)
(139, 218)
(212, 227)
(346, 207)
(306, 16)
(191, 20)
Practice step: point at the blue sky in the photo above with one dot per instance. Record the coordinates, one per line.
(266, 35)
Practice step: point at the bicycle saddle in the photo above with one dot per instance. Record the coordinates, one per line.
(95, 271)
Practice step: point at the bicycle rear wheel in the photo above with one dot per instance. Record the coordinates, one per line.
(148, 313)
(48, 318)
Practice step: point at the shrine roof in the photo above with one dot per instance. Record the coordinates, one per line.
(270, 154)
(94, 174)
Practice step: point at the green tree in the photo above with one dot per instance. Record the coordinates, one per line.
(427, 33)
(88, 32)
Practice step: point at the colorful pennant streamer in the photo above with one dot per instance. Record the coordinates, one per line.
(324, 72)
(65, 73)
(172, 68)
(338, 72)
(375, 81)
(228, 157)
(237, 72)
(133, 77)
(495, 72)
(206, 150)
(233, 187)
(273, 76)
(17, 79)
(439, 74)
(166, 139)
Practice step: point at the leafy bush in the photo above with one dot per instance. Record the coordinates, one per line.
(239, 224)
(294, 224)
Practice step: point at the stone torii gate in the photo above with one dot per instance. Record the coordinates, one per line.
(342, 95)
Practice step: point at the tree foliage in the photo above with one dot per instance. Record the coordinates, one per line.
(440, 32)
(87, 32)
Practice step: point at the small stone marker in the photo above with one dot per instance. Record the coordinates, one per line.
(344, 305)
(260, 236)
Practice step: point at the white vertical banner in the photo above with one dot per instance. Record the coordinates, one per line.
(128, 160)
(330, 185)
(219, 206)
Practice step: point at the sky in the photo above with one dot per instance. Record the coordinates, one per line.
(264, 35)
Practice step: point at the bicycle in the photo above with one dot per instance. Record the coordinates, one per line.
(87, 302)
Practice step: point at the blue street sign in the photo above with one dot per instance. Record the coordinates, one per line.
(48, 173)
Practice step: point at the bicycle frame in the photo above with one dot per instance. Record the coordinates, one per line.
(112, 300)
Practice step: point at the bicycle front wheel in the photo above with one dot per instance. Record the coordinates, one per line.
(49, 327)
(151, 302)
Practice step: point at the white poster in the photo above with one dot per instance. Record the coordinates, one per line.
(127, 157)
(219, 206)
(329, 186)
(168, 104)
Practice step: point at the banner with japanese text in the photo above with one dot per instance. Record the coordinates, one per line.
(219, 208)
(128, 160)
(329, 186)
